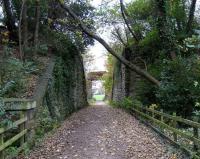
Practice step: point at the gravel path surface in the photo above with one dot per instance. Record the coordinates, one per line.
(103, 132)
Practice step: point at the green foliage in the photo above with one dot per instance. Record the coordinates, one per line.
(140, 9)
(98, 97)
(42, 50)
(151, 38)
(108, 77)
(12, 152)
(192, 42)
(61, 44)
(126, 103)
(176, 9)
(5, 118)
(13, 76)
(179, 90)
(149, 46)
(64, 82)
(45, 123)
(113, 103)
(10, 76)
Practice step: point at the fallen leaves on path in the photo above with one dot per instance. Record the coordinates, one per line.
(102, 132)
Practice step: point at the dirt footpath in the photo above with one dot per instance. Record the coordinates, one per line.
(103, 132)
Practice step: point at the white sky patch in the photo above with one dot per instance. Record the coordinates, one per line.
(99, 54)
(98, 51)
(1, 12)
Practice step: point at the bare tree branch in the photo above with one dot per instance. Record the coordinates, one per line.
(117, 34)
(126, 33)
(131, 66)
(126, 20)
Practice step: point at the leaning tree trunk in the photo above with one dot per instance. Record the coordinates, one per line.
(37, 17)
(127, 63)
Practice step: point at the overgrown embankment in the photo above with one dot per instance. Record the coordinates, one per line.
(60, 91)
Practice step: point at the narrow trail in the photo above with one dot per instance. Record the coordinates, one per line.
(102, 132)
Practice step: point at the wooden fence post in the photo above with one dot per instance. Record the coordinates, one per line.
(162, 120)
(174, 123)
(1, 143)
(22, 127)
(196, 135)
(153, 115)
(26, 125)
(138, 115)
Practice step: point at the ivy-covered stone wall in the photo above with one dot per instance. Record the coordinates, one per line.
(67, 88)
(61, 91)
(125, 81)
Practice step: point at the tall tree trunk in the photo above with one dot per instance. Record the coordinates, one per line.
(165, 33)
(10, 20)
(24, 28)
(191, 16)
(21, 50)
(161, 20)
(131, 66)
(37, 22)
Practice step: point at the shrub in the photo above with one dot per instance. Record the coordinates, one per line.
(179, 90)
(127, 103)
(180, 86)
(45, 123)
(14, 75)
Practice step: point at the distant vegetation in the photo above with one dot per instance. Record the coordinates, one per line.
(98, 97)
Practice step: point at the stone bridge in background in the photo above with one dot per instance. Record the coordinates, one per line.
(93, 76)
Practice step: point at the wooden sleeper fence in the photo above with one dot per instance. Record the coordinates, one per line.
(157, 119)
(25, 108)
